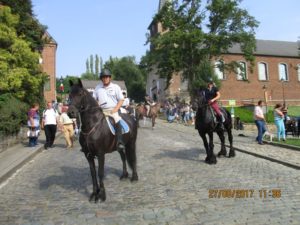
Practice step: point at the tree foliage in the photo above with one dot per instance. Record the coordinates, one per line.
(198, 31)
(128, 70)
(20, 72)
(28, 27)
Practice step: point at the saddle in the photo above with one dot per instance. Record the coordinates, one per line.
(111, 124)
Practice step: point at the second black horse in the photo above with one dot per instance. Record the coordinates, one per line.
(206, 125)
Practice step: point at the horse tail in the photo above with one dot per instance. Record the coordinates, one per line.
(130, 149)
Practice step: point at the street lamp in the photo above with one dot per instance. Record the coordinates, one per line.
(266, 100)
(283, 96)
(61, 87)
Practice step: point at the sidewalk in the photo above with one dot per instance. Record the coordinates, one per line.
(16, 156)
(244, 141)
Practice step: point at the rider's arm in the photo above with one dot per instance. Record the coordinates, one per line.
(118, 106)
(218, 95)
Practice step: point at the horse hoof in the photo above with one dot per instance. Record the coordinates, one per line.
(134, 178)
(124, 176)
(231, 154)
(222, 154)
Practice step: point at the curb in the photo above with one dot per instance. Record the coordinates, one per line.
(267, 158)
(23, 161)
(9, 173)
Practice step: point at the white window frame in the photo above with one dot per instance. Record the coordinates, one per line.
(265, 76)
(284, 76)
(298, 71)
(220, 74)
(239, 72)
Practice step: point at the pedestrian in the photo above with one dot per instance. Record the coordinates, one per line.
(67, 127)
(259, 119)
(49, 124)
(110, 98)
(279, 121)
(125, 105)
(33, 123)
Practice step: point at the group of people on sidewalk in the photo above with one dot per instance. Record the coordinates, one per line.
(260, 121)
(52, 119)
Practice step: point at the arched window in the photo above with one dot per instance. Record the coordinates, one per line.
(283, 74)
(262, 71)
(219, 71)
(241, 71)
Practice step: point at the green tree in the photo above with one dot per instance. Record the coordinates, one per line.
(28, 27)
(92, 64)
(128, 70)
(199, 31)
(97, 65)
(20, 73)
(87, 65)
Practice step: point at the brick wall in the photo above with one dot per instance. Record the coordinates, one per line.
(49, 67)
(252, 91)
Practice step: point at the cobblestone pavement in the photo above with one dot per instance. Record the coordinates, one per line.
(247, 143)
(175, 186)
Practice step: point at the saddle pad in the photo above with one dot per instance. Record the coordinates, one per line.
(125, 127)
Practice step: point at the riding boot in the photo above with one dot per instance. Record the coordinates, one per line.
(220, 121)
(120, 142)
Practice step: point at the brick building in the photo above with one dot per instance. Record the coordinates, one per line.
(48, 62)
(275, 76)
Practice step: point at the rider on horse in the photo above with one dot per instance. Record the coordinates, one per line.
(148, 103)
(212, 94)
(110, 98)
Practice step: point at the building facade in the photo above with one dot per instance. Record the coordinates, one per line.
(48, 63)
(274, 78)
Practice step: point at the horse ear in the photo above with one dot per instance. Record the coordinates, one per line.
(80, 83)
(71, 83)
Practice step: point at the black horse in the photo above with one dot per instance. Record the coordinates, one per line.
(206, 124)
(96, 138)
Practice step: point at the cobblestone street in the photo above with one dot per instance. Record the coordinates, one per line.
(175, 185)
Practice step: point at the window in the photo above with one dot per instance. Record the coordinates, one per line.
(47, 85)
(298, 72)
(282, 71)
(219, 71)
(262, 71)
(241, 71)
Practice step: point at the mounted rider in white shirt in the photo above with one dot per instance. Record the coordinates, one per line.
(110, 98)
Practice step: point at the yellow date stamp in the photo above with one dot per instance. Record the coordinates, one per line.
(244, 193)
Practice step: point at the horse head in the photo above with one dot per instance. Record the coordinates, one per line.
(78, 98)
(199, 100)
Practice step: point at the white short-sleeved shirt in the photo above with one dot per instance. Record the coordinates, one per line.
(109, 96)
(49, 116)
(258, 112)
(126, 102)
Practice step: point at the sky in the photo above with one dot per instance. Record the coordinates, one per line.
(118, 28)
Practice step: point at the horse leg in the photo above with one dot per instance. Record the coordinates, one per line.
(101, 195)
(230, 139)
(222, 152)
(203, 136)
(130, 151)
(212, 157)
(90, 159)
(144, 119)
(123, 157)
(153, 122)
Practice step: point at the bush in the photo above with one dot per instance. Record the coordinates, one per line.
(246, 115)
(13, 113)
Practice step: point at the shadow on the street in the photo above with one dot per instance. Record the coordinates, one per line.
(191, 154)
(78, 179)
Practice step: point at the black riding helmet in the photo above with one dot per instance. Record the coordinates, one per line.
(105, 72)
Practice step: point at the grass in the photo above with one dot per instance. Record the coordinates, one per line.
(294, 110)
(289, 141)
